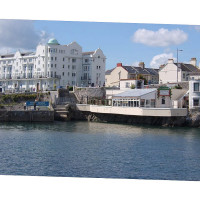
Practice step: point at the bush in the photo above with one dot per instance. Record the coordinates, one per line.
(70, 88)
(17, 97)
(132, 86)
(178, 87)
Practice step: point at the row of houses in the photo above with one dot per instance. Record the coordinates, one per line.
(169, 73)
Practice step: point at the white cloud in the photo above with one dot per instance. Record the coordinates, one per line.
(160, 60)
(20, 34)
(161, 38)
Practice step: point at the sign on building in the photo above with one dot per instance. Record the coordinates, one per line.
(37, 103)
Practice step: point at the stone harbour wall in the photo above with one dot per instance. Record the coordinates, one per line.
(26, 116)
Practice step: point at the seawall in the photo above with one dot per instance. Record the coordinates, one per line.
(26, 116)
(72, 113)
(129, 119)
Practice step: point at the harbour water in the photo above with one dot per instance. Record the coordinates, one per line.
(89, 149)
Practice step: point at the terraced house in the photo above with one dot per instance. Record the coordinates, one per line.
(120, 72)
(52, 66)
(177, 72)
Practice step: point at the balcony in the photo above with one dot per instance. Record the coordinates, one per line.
(85, 79)
(58, 76)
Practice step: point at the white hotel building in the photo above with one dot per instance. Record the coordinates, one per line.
(50, 67)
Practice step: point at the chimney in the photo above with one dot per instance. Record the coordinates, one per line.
(119, 64)
(142, 65)
(193, 61)
(170, 61)
(161, 66)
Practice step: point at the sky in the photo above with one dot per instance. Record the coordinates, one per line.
(129, 43)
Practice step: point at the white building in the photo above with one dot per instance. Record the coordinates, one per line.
(52, 66)
(135, 98)
(173, 72)
(131, 83)
(194, 94)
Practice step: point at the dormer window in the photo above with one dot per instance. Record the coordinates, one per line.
(74, 52)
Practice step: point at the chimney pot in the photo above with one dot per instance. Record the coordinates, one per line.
(142, 65)
(119, 64)
(193, 61)
(170, 61)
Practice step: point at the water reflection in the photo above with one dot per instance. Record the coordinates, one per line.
(88, 149)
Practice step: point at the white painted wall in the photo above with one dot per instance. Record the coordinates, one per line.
(164, 112)
(193, 94)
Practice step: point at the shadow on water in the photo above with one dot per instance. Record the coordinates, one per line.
(97, 127)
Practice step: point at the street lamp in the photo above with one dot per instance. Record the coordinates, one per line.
(177, 62)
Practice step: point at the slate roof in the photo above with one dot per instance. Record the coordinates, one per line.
(187, 67)
(109, 71)
(139, 70)
(130, 69)
(27, 54)
(88, 53)
(12, 55)
(194, 73)
(7, 56)
(135, 92)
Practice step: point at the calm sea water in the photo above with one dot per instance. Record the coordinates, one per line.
(83, 149)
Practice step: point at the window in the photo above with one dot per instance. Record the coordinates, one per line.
(30, 59)
(63, 59)
(127, 84)
(63, 66)
(183, 75)
(86, 60)
(195, 102)
(55, 65)
(51, 58)
(38, 62)
(196, 87)
(163, 100)
(74, 51)
(73, 60)
(63, 73)
(68, 74)
(55, 58)
(51, 65)
(68, 66)
(73, 67)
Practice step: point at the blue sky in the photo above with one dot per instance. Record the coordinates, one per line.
(128, 43)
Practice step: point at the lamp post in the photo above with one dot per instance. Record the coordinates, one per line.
(177, 62)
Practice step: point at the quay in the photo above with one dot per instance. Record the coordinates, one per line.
(135, 111)
(27, 116)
